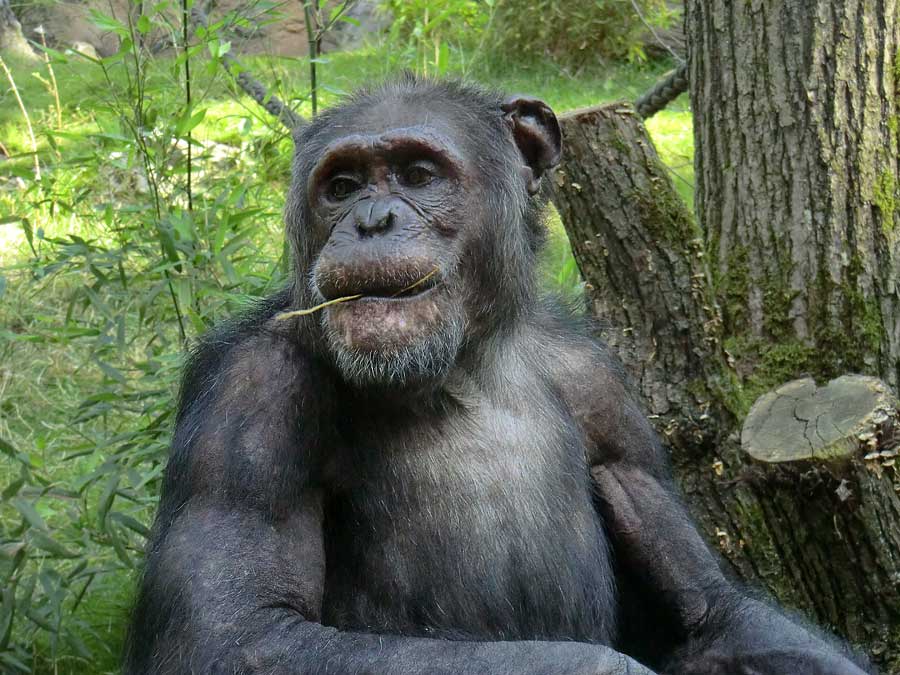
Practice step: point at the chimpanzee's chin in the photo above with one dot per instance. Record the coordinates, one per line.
(382, 353)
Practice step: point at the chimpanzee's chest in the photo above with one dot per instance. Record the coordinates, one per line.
(481, 528)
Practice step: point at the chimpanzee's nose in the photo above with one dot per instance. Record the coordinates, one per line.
(375, 216)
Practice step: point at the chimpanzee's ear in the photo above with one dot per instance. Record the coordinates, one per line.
(537, 134)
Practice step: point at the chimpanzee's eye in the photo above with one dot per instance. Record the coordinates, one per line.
(417, 175)
(342, 187)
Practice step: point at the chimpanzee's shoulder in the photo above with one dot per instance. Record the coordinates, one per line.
(252, 340)
(586, 373)
(570, 340)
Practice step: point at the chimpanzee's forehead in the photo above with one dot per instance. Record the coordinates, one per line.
(387, 117)
(465, 121)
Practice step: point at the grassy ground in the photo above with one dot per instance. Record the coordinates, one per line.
(88, 357)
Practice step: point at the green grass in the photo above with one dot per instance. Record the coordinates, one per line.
(70, 331)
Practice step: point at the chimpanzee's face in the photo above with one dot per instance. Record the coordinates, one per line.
(394, 200)
(415, 202)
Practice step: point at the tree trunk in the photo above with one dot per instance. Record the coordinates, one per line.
(795, 117)
(809, 506)
(796, 161)
(11, 39)
(820, 529)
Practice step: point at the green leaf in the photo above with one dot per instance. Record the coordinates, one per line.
(40, 621)
(29, 233)
(108, 23)
(111, 372)
(187, 122)
(143, 24)
(76, 643)
(7, 609)
(119, 548)
(12, 489)
(13, 662)
(131, 523)
(45, 542)
(167, 242)
(196, 321)
(218, 48)
(28, 512)
(11, 549)
(106, 501)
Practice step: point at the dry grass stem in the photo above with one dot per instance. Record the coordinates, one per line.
(347, 298)
(311, 310)
(54, 87)
(417, 283)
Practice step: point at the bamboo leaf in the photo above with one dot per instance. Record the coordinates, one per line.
(28, 512)
(45, 542)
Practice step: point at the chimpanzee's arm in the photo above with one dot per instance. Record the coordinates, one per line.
(234, 575)
(701, 623)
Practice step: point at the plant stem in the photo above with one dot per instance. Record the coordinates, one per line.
(53, 81)
(312, 310)
(187, 99)
(311, 18)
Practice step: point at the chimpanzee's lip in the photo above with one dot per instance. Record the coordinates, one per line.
(392, 293)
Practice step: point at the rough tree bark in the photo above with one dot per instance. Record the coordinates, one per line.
(795, 116)
(641, 253)
(816, 523)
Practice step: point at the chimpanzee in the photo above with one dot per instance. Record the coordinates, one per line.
(438, 471)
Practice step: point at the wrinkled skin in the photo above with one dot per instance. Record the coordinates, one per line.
(446, 473)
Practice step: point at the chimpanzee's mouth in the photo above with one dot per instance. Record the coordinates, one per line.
(422, 287)
(400, 288)
(385, 318)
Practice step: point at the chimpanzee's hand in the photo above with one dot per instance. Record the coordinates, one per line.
(724, 631)
(796, 661)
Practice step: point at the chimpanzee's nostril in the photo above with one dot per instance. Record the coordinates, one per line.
(376, 217)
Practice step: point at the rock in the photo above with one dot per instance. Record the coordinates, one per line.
(85, 48)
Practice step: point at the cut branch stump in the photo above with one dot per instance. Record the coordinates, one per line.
(641, 254)
(823, 470)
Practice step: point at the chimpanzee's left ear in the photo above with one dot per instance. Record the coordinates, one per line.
(537, 134)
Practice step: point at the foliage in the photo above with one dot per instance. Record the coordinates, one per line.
(317, 25)
(105, 261)
(429, 30)
(150, 251)
(573, 34)
(576, 32)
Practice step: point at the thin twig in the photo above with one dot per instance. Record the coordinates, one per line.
(253, 88)
(312, 310)
(311, 19)
(418, 283)
(347, 298)
(649, 26)
(15, 91)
